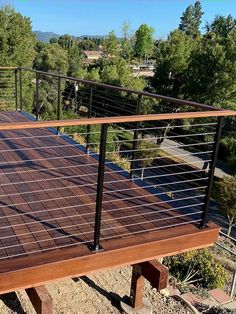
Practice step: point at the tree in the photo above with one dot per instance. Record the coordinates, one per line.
(110, 45)
(16, 39)
(74, 61)
(191, 19)
(144, 44)
(126, 44)
(221, 25)
(147, 152)
(16, 49)
(212, 71)
(226, 196)
(116, 72)
(172, 61)
(66, 41)
(52, 58)
(53, 40)
(87, 44)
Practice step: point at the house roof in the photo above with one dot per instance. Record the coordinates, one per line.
(93, 53)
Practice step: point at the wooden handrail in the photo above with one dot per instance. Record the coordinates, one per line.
(119, 119)
(127, 90)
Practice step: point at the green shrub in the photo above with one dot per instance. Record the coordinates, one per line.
(228, 150)
(219, 310)
(198, 266)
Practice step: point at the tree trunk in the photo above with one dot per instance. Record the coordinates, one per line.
(229, 230)
(230, 227)
(142, 173)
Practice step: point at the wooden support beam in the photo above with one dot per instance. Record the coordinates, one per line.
(137, 288)
(40, 299)
(156, 273)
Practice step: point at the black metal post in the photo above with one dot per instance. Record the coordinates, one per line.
(89, 116)
(212, 167)
(135, 138)
(37, 96)
(102, 155)
(20, 80)
(58, 102)
(16, 88)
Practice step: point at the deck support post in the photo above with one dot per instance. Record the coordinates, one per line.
(40, 299)
(137, 287)
(154, 272)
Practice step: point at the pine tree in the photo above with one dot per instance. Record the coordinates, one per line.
(191, 19)
(221, 25)
(16, 39)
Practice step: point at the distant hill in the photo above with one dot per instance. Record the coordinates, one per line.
(46, 36)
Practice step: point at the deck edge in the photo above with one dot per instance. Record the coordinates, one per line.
(109, 258)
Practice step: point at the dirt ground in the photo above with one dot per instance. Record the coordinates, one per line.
(98, 293)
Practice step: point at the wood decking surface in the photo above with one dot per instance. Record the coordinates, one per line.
(48, 195)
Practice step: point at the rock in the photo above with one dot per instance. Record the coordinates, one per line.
(165, 292)
(146, 309)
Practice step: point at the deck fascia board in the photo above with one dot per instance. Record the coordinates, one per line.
(80, 261)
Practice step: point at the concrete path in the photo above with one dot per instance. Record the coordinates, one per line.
(195, 161)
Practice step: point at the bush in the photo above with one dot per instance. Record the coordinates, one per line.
(228, 150)
(198, 266)
(219, 310)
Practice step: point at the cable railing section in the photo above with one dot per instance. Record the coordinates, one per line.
(8, 88)
(90, 162)
(60, 190)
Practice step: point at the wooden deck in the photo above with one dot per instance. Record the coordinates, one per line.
(47, 213)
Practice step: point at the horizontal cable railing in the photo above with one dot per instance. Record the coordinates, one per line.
(112, 163)
(58, 191)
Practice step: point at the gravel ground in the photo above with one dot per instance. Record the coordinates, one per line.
(98, 293)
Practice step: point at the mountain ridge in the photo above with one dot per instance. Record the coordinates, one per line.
(46, 36)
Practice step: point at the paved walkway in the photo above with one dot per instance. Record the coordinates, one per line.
(220, 171)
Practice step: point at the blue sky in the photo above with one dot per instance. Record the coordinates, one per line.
(98, 17)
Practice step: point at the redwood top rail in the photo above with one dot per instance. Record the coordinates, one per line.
(119, 119)
(127, 90)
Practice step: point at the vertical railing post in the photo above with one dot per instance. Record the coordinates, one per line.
(135, 138)
(89, 116)
(20, 81)
(37, 96)
(58, 101)
(212, 167)
(16, 88)
(102, 156)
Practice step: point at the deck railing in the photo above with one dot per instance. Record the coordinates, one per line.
(141, 171)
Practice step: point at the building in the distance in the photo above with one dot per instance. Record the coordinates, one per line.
(142, 70)
(91, 56)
